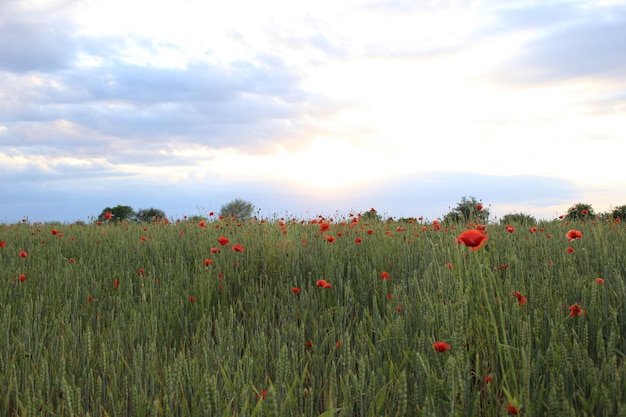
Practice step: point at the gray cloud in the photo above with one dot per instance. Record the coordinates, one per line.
(572, 42)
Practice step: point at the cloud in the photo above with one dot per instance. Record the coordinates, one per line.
(569, 42)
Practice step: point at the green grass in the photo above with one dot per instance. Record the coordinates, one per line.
(72, 343)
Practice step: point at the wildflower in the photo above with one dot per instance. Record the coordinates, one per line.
(324, 227)
(116, 283)
(473, 239)
(208, 262)
(222, 241)
(576, 310)
(533, 229)
(329, 239)
(295, 290)
(262, 395)
(584, 212)
(23, 254)
(570, 249)
(214, 250)
(321, 283)
(389, 296)
(3, 244)
(22, 277)
(370, 231)
(449, 266)
(202, 223)
(510, 228)
(385, 275)
(441, 346)
(600, 281)
(338, 344)
(192, 299)
(574, 234)
(358, 240)
(309, 344)
(479, 207)
(490, 377)
(90, 299)
(107, 215)
(512, 409)
(141, 271)
(238, 248)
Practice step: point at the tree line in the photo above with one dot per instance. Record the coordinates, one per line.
(469, 209)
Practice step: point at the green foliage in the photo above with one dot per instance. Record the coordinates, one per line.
(619, 213)
(150, 214)
(518, 218)
(371, 216)
(467, 210)
(154, 319)
(580, 211)
(239, 208)
(119, 213)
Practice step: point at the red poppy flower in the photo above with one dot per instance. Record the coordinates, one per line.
(192, 299)
(263, 394)
(510, 228)
(141, 271)
(329, 239)
(324, 227)
(321, 282)
(576, 310)
(512, 409)
(385, 275)
(449, 266)
(338, 344)
(389, 296)
(533, 229)
(574, 234)
(202, 223)
(23, 254)
(238, 248)
(489, 378)
(570, 249)
(370, 231)
(22, 277)
(208, 262)
(90, 299)
(309, 344)
(358, 240)
(3, 244)
(107, 215)
(584, 212)
(116, 283)
(479, 207)
(473, 239)
(222, 240)
(599, 281)
(295, 290)
(441, 346)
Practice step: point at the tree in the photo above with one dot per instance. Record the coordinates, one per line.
(371, 216)
(619, 213)
(580, 211)
(468, 210)
(118, 213)
(239, 208)
(147, 215)
(518, 218)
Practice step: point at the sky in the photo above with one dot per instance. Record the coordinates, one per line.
(310, 107)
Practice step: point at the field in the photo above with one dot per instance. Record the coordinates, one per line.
(289, 317)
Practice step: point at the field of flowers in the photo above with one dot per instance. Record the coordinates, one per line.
(288, 317)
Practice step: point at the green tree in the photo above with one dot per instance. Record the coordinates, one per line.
(239, 208)
(518, 218)
(469, 209)
(118, 213)
(371, 216)
(619, 213)
(150, 214)
(580, 211)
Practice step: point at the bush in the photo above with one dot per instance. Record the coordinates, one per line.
(580, 211)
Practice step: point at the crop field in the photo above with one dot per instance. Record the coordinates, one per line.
(332, 317)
